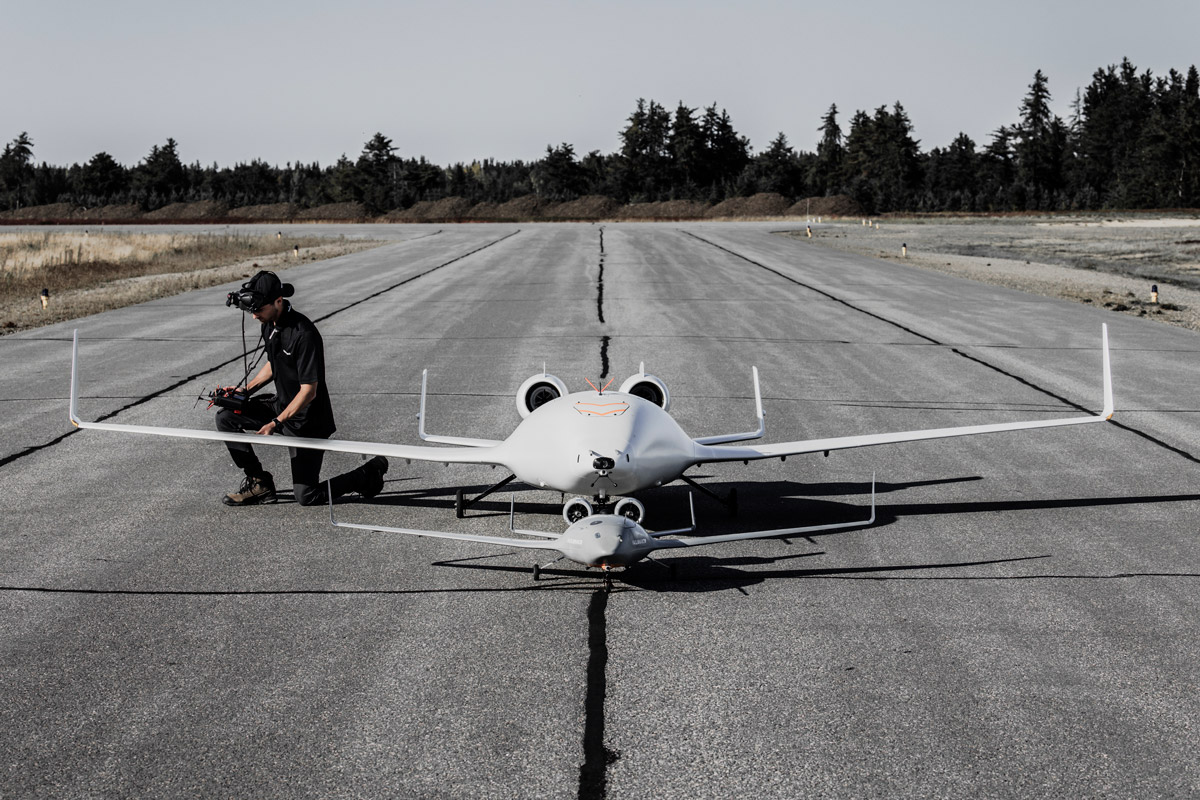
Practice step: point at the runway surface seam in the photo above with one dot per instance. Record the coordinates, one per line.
(1148, 437)
(593, 773)
(154, 395)
(604, 340)
(600, 282)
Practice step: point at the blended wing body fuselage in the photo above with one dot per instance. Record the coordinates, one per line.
(595, 443)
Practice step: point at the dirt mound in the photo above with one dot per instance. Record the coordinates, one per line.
(484, 210)
(112, 213)
(588, 207)
(766, 204)
(52, 211)
(204, 209)
(334, 212)
(447, 209)
(269, 212)
(838, 205)
(520, 208)
(666, 209)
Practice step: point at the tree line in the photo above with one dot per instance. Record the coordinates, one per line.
(1132, 140)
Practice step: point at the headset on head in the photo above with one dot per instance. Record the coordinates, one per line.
(251, 298)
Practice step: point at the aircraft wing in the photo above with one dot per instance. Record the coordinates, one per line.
(445, 455)
(707, 454)
(503, 541)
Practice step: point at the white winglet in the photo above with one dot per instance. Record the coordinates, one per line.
(742, 437)
(707, 454)
(1108, 388)
(692, 509)
(461, 441)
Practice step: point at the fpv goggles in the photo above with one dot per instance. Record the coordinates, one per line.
(257, 292)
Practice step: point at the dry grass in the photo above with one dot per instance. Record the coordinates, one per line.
(87, 273)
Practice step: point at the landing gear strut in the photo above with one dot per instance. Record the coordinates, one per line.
(537, 568)
(729, 502)
(461, 504)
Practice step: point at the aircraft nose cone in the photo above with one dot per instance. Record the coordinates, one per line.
(593, 540)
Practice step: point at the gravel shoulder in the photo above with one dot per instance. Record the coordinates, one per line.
(1107, 262)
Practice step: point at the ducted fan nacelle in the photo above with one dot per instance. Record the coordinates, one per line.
(537, 391)
(648, 387)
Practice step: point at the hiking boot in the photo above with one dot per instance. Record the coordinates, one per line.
(373, 472)
(254, 490)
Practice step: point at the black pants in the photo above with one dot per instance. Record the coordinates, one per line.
(306, 464)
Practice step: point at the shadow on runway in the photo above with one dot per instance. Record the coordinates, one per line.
(701, 574)
(710, 574)
(773, 507)
(762, 504)
(773, 503)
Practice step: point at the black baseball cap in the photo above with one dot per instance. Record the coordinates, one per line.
(268, 287)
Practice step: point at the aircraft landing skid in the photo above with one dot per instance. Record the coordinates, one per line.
(462, 503)
(730, 502)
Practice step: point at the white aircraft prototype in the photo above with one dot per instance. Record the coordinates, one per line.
(597, 445)
(607, 541)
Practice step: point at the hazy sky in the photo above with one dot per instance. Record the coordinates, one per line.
(455, 81)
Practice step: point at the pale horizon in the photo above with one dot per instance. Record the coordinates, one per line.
(457, 82)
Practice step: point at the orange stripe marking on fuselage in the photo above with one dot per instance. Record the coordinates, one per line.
(619, 408)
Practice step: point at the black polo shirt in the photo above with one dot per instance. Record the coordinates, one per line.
(297, 356)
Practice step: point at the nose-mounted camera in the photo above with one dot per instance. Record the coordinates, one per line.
(603, 464)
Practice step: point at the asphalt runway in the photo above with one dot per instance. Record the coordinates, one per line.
(1020, 622)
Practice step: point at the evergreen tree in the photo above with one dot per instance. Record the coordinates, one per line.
(826, 174)
(998, 173)
(159, 179)
(776, 169)
(951, 176)
(420, 180)
(558, 176)
(645, 165)
(101, 181)
(726, 153)
(342, 183)
(1116, 105)
(687, 148)
(16, 171)
(857, 165)
(256, 183)
(378, 178)
(1041, 147)
(599, 174)
(1167, 148)
(882, 162)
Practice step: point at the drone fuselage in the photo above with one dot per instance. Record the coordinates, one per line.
(605, 541)
(603, 444)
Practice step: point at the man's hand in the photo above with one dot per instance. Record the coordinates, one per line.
(268, 429)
